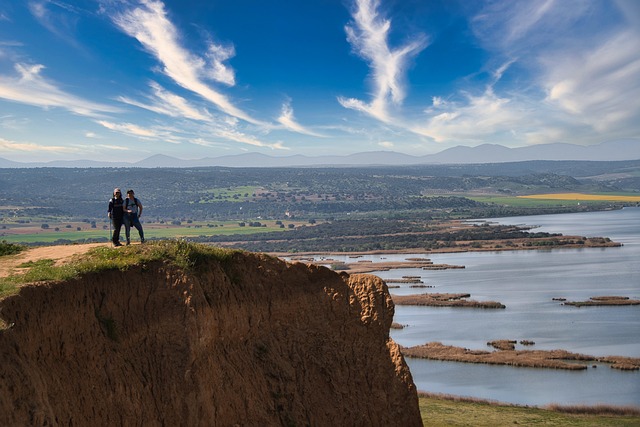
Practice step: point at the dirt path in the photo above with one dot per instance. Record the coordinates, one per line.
(60, 253)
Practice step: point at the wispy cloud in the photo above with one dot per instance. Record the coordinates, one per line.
(150, 25)
(205, 134)
(289, 122)
(577, 78)
(11, 146)
(131, 129)
(164, 102)
(29, 87)
(472, 120)
(368, 35)
(600, 85)
(112, 147)
(47, 13)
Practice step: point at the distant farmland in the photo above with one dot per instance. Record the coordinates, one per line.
(583, 197)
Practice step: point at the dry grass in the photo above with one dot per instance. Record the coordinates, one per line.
(595, 409)
(443, 300)
(581, 196)
(503, 344)
(446, 410)
(604, 300)
(554, 359)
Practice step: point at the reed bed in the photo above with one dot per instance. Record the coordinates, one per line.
(444, 300)
(554, 359)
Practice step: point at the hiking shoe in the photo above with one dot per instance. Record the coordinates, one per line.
(117, 244)
(142, 240)
(128, 242)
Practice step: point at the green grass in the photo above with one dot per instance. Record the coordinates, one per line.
(528, 203)
(227, 194)
(438, 410)
(150, 232)
(184, 254)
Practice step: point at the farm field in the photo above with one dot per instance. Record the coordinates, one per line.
(584, 197)
(80, 232)
(556, 199)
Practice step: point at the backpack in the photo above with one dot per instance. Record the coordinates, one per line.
(135, 201)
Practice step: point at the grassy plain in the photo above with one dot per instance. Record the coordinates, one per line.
(517, 201)
(437, 410)
(611, 197)
(34, 233)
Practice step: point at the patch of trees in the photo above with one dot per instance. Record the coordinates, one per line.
(367, 235)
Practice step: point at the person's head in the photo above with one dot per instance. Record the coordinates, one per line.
(130, 193)
(117, 192)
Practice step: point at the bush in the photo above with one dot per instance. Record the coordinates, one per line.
(7, 248)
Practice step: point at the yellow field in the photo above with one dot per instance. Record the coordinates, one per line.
(580, 196)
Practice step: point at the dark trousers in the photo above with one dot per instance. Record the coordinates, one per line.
(117, 225)
(132, 221)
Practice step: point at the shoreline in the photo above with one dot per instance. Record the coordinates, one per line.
(366, 266)
(491, 246)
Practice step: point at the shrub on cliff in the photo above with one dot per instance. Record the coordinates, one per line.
(7, 248)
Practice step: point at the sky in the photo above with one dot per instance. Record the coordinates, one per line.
(122, 80)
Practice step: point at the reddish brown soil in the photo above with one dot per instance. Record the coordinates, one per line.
(251, 341)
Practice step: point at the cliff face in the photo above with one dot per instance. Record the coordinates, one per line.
(253, 341)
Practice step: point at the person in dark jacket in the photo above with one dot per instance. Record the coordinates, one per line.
(132, 212)
(116, 213)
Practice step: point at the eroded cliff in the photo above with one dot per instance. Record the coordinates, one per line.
(249, 341)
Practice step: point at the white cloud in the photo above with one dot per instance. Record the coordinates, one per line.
(112, 147)
(289, 122)
(600, 85)
(150, 25)
(170, 104)
(235, 135)
(386, 144)
(473, 120)
(11, 146)
(518, 27)
(368, 35)
(131, 129)
(29, 87)
(217, 54)
(576, 76)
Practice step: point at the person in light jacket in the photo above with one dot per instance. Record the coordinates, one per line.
(132, 213)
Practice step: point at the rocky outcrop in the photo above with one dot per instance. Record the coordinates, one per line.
(251, 341)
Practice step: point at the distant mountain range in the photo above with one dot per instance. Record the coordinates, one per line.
(486, 153)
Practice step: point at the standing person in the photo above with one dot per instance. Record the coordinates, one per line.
(115, 212)
(133, 210)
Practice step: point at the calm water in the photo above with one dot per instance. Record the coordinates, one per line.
(526, 282)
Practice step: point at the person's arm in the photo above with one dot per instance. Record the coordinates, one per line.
(140, 209)
(110, 208)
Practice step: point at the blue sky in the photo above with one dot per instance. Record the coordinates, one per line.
(122, 80)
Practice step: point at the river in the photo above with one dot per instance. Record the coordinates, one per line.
(526, 282)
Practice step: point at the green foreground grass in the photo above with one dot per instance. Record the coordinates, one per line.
(183, 254)
(439, 410)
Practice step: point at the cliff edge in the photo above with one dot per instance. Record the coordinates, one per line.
(251, 340)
